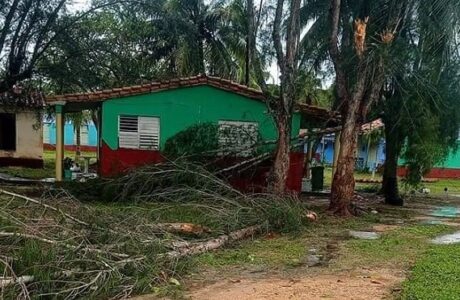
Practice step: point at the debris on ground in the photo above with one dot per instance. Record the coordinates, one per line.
(364, 235)
(447, 239)
(86, 251)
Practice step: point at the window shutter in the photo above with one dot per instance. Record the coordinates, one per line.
(46, 133)
(149, 133)
(128, 136)
(139, 132)
(83, 136)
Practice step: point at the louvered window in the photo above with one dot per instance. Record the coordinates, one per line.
(83, 136)
(136, 132)
(238, 137)
(46, 133)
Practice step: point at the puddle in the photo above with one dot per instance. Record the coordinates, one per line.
(447, 239)
(364, 235)
(446, 212)
(432, 222)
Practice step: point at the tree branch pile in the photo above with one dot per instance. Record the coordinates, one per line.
(57, 246)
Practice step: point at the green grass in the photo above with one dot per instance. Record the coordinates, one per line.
(453, 186)
(436, 188)
(401, 247)
(435, 276)
(282, 251)
(48, 170)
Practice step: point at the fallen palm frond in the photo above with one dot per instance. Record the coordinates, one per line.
(69, 249)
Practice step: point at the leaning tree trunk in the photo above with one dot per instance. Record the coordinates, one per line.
(280, 169)
(343, 183)
(390, 179)
(77, 143)
(249, 41)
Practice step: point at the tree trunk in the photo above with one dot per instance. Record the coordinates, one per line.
(249, 40)
(390, 179)
(77, 142)
(343, 183)
(201, 67)
(280, 167)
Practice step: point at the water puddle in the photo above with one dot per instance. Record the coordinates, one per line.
(447, 239)
(364, 235)
(446, 212)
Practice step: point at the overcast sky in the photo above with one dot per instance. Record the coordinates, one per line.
(76, 5)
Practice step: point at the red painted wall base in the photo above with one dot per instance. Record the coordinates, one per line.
(51, 147)
(114, 162)
(435, 173)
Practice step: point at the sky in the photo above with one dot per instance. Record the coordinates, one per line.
(77, 5)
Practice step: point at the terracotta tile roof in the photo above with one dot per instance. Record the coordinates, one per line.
(217, 82)
(371, 126)
(317, 112)
(152, 87)
(22, 98)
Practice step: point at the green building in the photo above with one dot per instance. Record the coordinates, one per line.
(135, 122)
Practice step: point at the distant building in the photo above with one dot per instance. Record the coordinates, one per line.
(20, 129)
(88, 136)
(370, 151)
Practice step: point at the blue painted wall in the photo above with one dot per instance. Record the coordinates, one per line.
(69, 134)
(327, 155)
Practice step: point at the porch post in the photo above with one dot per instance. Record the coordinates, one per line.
(336, 152)
(59, 109)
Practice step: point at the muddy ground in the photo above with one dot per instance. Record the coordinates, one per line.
(340, 275)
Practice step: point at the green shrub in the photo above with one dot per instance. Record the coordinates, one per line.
(196, 139)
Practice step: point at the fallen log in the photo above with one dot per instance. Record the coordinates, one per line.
(198, 248)
(7, 281)
(182, 228)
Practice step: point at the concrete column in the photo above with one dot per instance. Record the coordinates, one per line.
(336, 152)
(59, 109)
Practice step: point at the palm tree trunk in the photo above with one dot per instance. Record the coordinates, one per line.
(77, 142)
(249, 40)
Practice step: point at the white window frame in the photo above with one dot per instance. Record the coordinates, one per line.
(146, 135)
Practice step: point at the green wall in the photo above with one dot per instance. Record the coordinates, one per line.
(452, 161)
(183, 107)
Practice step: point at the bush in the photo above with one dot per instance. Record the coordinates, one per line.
(196, 139)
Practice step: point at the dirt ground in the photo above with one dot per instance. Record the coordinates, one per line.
(314, 283)
(357, 285)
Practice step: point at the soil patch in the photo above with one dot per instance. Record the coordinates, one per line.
(358, 285)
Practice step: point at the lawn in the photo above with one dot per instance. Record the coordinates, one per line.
(433, 271)
(436, 188)
(48, 170)
(436, 275)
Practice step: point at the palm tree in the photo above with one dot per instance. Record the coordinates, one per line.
(361, 77)
(78, 120)
(421, 107)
